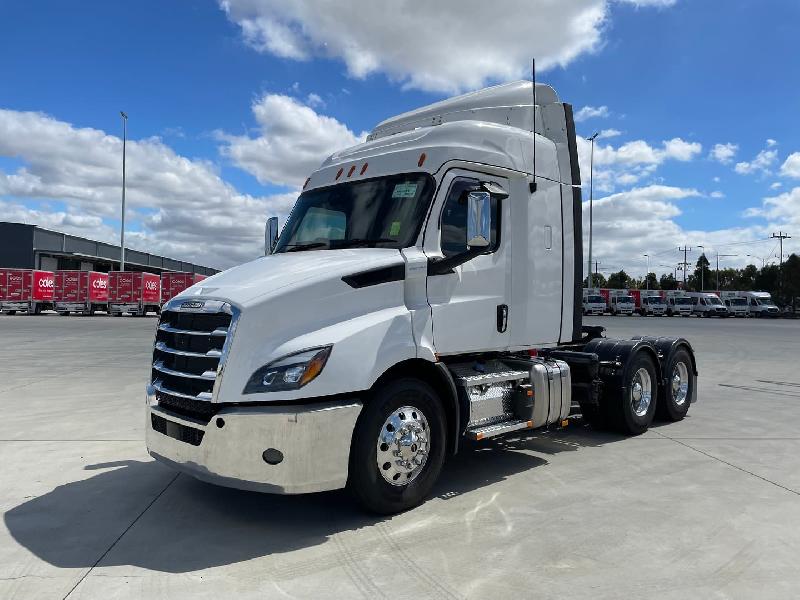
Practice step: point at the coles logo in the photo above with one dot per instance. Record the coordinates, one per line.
(15, 279)
(151, 285)
(100, 284)
(47, 282)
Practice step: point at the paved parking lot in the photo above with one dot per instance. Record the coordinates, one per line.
(709, 507)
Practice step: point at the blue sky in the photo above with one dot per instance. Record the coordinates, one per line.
(191, 74)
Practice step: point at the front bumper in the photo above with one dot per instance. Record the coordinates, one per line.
(313, 439)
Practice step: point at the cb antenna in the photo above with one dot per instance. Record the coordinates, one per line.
(533, 123)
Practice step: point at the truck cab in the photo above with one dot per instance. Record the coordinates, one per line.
(652, 304)
(679, 304)
(593, 303)
(737, 306)
(760, 304)
(425, 289)
(622, 303)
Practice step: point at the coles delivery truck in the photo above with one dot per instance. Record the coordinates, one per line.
(390, 320)
(80, 291)
(26, 290)
(621, 302)
(133, 292)
(593, 302)
(757, 304)
(650, 302)
(174, 282)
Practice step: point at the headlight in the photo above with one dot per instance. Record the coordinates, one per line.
(290, 372)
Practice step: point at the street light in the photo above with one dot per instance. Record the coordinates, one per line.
(718, 255)
(591, 204)
(647, 275)
(122, 225)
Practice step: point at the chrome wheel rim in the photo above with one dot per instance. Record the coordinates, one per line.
(680, 383)
(641, 392)
(403, 445)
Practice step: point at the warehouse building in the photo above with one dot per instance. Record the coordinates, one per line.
(25, 246)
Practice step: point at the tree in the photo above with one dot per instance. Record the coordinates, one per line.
(668, 282)
(701, 278)
(651, 281)
(745, 279)
(791, 280)
(620, 280)
(598, 281)
(767, 279)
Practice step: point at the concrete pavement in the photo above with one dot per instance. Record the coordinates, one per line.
(708, 507)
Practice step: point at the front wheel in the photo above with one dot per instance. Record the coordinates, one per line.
(398, 446)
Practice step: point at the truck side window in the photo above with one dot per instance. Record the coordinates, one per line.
(454, 218)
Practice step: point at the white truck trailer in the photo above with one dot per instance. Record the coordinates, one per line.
(759, 304)
(593, 302)
(391, 318)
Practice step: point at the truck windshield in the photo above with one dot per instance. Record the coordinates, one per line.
(765, 300)
(737, 302)
(384, 212)
(683, 300)
(713, 300)
(624, 300)
(595, 300)
(655, 300)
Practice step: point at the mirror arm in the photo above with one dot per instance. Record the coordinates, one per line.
(443, 266)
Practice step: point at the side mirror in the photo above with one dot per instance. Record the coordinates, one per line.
(270, 235)
(478, 220)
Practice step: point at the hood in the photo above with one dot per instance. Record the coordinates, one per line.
(264, 276)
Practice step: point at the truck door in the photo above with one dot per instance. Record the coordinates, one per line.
(469, 304)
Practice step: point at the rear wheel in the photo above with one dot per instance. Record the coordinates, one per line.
(398, 446)
(633, 409)
(679, 374)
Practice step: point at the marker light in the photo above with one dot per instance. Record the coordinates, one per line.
(421, 160)
(339, 173)
(364, 169)
(351, 171)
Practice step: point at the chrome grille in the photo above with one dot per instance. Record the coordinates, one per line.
(189, 354)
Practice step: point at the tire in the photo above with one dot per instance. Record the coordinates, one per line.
(673, 403)
(627, 412)
(368, 481)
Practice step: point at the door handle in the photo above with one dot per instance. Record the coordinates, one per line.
(502, 318)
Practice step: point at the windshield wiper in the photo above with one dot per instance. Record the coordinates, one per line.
(305, 246)
(355, 242)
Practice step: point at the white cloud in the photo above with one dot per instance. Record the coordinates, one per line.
(292, 141)
(315, 101)
(776, 185)
(591, 112)
(716, 179)
(791, 166)
(724, 153)
(609, 133)
(448, 45)
(717, 194)
(176, 206)
(771, 142)
(762, 163)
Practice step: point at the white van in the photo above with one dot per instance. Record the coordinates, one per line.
(707, 304)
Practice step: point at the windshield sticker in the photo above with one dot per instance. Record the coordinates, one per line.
(395, 228)
(405, 190)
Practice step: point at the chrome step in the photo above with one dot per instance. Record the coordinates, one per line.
(487, 431)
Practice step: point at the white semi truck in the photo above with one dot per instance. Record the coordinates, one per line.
(426, 289)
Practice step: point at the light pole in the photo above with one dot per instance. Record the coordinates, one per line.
(718, 255)
(122, 225)
(591, 203)
(763, 260)
(647, 275)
